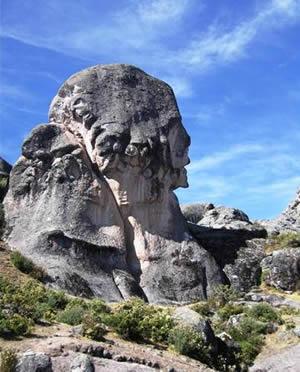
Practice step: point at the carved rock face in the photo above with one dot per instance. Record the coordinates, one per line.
(127, 121)
(97, 185)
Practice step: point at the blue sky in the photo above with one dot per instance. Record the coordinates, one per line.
(234, 66)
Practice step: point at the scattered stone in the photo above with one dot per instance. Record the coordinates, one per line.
(34, 362)
(82, 363)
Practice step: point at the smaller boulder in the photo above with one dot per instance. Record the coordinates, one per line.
(281, 269)
(82, 363)
(226, 218)
(189, 318)
(34, 362)
(195, 212)
(245, 272)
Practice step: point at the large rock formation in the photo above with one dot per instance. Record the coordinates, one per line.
(5, 169)
(287, 221)
(91, 198)
(233, 240)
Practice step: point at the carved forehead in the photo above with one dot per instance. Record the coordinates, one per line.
(120, 93)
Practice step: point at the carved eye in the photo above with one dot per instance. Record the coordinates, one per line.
(131, 150)
(78, 101)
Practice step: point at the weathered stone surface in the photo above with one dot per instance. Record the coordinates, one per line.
(245, 271)
(196, 211)
(227, 218)
(288, 359)
(281, 269)
(5, 167)
(190, 318)
(289, 220)
(34, 362)
(82, 363)
(97, 186)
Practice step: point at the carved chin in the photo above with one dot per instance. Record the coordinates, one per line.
(181, 180)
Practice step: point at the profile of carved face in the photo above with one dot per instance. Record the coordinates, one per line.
(127, 120)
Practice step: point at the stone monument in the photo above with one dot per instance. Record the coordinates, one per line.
(91, 198)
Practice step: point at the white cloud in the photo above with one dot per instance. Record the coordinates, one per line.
(158, 11)
(219, 158)
(221, 46)
(181, 86)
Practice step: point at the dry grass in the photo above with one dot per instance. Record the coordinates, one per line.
(284, 240)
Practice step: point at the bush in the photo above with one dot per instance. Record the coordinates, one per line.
(249, 334)
(14, 325)
(135, 320)
(290, 324)
(265, 313)
(26, 266)
(23, 305)
(230, 309)
(8, 361)
(222, 294)
(283, 240)
(73, 314)
(188, 342)
(202, 308)
(92, 327)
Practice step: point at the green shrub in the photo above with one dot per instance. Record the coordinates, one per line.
(222, 294)
(202, 308)
(264, 312)
(14, 325)
(2, 220)
(290, 324)
(72, 315)
(249, 334)
(93, 328)
(228, 310)
(8, 361)
(188, 342)
(135, 320)
(250, 348)
(26, 266)
(283, 240)
(23, 305)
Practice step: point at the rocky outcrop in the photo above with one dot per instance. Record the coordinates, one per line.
(281, 269)
(195, 212)
(5, 167)
(96, 184)
(233, 240)
(245, 272)
(34, 362)
(289, 220)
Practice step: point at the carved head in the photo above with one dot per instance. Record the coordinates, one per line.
(127, 120)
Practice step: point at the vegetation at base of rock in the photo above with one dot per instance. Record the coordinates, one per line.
(23, 305)
(26, 266)
(283, 240)
(264, 313)
(135, 320)
(222, 294)
(8, 360)
(230, 309)
(190, 343)
(202, 308)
